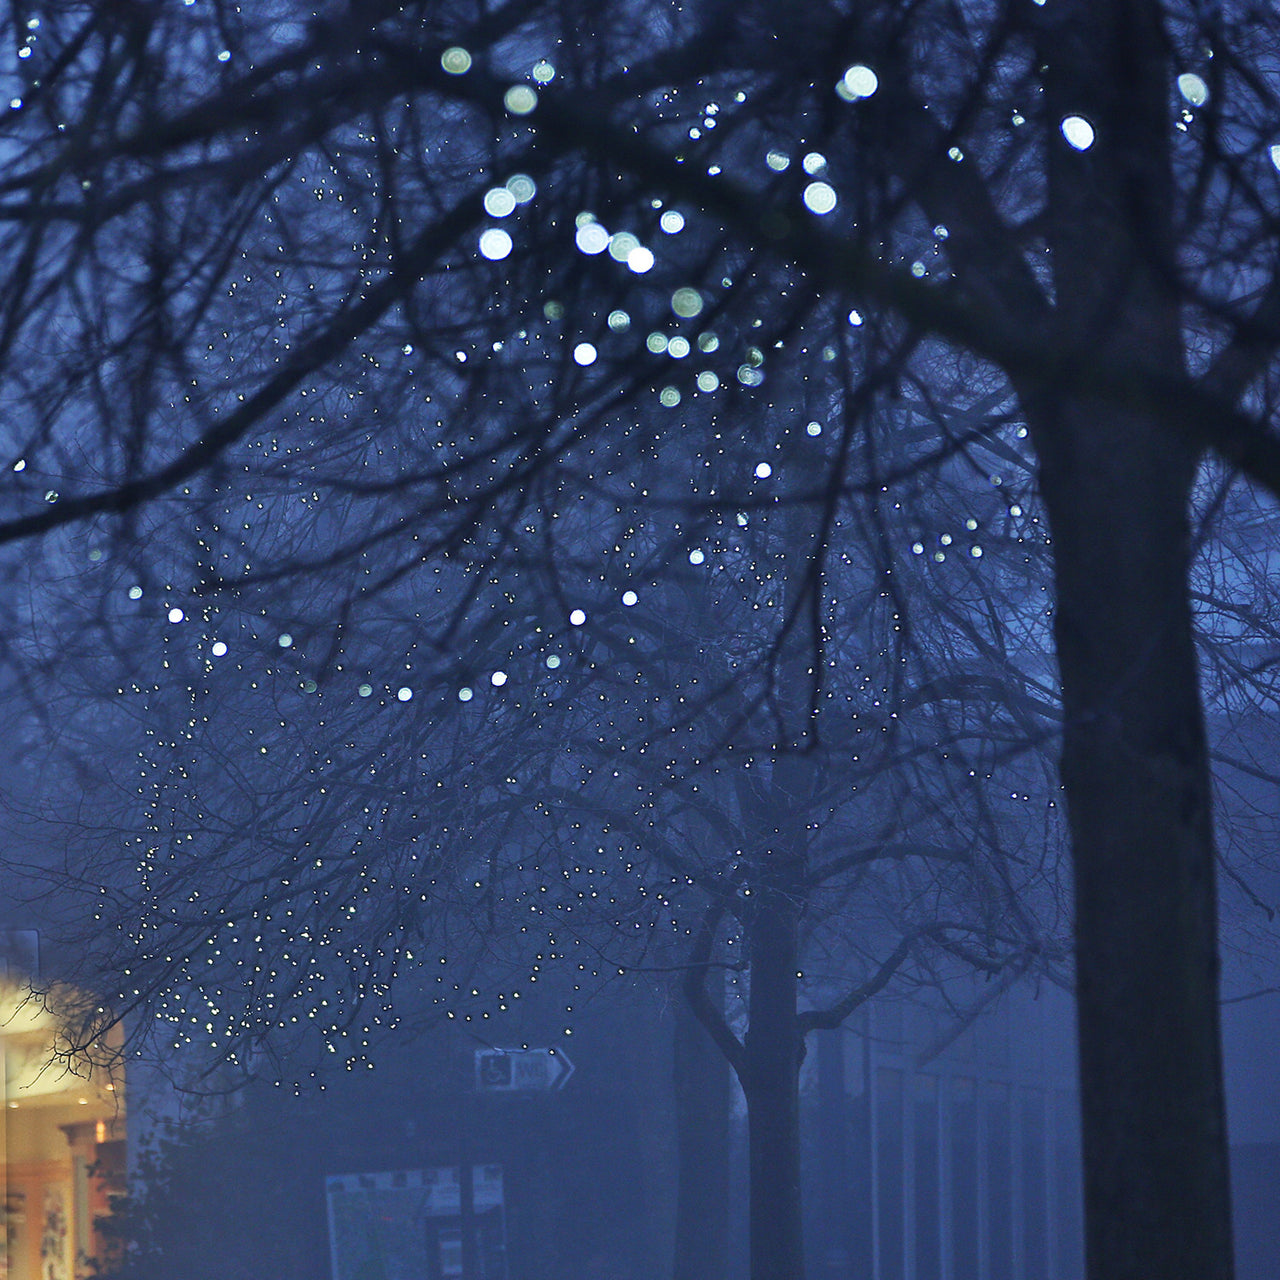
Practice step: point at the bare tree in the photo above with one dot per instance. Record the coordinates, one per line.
(678, 784)
(218, 226)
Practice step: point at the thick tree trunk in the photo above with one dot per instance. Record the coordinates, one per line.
(1135, 768)
(771, 1082)
(1117, 481)
(702, 1096)
(775, 811)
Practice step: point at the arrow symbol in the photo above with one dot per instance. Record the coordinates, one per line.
(564, 1066)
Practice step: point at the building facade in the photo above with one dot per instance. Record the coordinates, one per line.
(62, 1142)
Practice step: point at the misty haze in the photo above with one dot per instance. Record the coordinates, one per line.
(638, 640)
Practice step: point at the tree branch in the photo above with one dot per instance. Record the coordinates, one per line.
(695, 991)
(833, 1016)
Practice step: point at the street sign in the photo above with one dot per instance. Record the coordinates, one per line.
(519, 1070)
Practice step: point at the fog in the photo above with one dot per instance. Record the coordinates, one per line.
(638, 641)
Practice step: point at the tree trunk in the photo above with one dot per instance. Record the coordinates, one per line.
(702, 1099)
(771, 1082)
(1117, 482)
(1135, 769)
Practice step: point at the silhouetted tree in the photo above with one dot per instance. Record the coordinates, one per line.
(241, 245)
(680, 786)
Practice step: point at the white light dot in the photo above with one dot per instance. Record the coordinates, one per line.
(860, 81)
(218, 649)
(498, 202)
(591, 238)
(584, 353)
(285, 640)
(456, 61)
(465, 694)
(495, 244)
(1193, 88)
(135, 593)
(621, 243)
(404, 693)
(629, 598)
(21, 464)
(176, 614)
(696, 556)
(686, 302)
(763, 471)
(1078, 132)
(520, 99)
(819, 197)
(640, 260)
(522, 187)
(577, 618)
(498, 679)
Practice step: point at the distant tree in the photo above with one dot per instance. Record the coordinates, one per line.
(679, 786)
(239, 244)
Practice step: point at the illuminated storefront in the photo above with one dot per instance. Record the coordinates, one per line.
(61, 1146)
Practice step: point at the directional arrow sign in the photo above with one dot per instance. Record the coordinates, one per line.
(518, 1070)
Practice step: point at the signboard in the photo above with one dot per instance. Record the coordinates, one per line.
(407, 1224)
(433, 1192)
(519, 1070)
